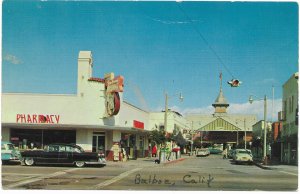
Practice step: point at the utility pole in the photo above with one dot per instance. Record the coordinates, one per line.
(166, 112)
(265, 128)
(245, 133)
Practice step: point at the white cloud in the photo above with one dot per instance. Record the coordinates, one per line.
(257, 108)
(173, 22)
(198, 110)
(12, 59)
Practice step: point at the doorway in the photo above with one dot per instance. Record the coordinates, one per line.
(99, 142)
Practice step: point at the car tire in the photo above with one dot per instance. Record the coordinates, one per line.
(79, 164)
(29, 161)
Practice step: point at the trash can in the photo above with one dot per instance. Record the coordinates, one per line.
(162, 155)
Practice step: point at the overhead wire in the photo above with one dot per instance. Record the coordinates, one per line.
(205, 41)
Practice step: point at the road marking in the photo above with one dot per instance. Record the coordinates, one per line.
(115, 179)
(24, 182)
(289, 173)
(5, 174)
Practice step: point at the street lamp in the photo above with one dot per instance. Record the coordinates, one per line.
(265, 123)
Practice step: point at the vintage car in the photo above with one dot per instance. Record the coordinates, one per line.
(202, 152)
(242, 156)
(62, 154)
(214, 150)
(231, 153)
(9, 153)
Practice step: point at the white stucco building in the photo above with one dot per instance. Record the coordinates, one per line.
(39, 119)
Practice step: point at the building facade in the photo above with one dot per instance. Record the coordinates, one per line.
(95, 118)
(258, 138)
(92, 118)
(276, 142)
(289, 118)
(231, 130)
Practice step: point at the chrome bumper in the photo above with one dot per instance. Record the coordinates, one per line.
(100, 161)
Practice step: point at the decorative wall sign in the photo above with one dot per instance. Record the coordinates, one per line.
(113, 85)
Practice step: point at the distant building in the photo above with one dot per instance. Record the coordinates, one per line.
(289, 118)
(258, 138)
(231, 130)
(276, 141)
(176, 122)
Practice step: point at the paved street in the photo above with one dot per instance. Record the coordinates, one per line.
(192, 173)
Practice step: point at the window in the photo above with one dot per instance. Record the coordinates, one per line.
(285, 107)
(10, 146)
(53, 149)
(62, 148)
(290, 107)
(292, 104)
(69, 149)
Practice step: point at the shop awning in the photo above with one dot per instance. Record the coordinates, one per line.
(70, 126)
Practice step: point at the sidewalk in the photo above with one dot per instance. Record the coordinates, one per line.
(142, 162)
(275, 166)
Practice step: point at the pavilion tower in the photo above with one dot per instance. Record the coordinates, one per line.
(220, 104)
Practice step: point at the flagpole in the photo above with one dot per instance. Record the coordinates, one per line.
(220, 80)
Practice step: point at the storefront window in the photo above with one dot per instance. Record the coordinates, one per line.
(38, 138)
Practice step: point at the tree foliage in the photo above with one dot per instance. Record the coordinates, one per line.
(179, 139)
(158, 136)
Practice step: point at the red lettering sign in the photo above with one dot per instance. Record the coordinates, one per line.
(138, 124)
(27, 118)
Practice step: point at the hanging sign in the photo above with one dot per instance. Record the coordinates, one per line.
(113, 85)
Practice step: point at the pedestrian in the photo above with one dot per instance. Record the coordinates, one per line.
(224, 154)
(154, 151)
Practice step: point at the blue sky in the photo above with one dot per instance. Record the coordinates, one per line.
(156, 46)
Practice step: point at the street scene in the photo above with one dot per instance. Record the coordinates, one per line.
(192, 173)
(161, 96)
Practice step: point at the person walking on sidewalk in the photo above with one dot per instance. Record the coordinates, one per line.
(154, 151)
(224, 153)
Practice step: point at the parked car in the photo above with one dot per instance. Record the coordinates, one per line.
(214, 150)
(231, 153)
(202, 152)
(62, 154)
(9, 153)
(242, 156)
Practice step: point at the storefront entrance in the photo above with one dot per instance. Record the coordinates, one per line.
(141, 147)
(99, 142)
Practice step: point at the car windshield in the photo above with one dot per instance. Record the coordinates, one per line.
(7, 147)
(78, 149)
(243, 152)
(10, 147)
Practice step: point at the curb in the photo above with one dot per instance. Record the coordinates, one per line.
(174, 161)
(262, 166)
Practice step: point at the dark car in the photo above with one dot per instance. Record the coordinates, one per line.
(214, 150)
(62, 154)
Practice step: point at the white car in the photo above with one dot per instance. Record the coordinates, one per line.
(242, 156)
(202, 152)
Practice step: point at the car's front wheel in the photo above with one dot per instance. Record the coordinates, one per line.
(29, 161)
(79, 164)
